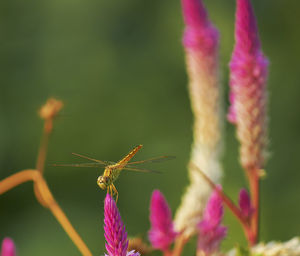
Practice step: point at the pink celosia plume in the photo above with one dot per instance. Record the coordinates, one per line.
(245, 203)
(199, 33)
(162, 233)
(211, 232)
(8, 247)
(114, 230)
(214, 209)
(248, 98)
(201, 44)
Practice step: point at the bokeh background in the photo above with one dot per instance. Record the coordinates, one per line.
(119, 68)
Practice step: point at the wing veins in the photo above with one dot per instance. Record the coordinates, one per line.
(93, 159)
(140, 170)
(93, 165)
(153, 160)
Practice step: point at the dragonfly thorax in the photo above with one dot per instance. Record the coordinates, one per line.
(103, 182)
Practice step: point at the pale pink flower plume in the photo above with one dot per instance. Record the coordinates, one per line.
(211, 232)
(199, 33)
(201, 44)
(114, 230)
(248, 98)
(162, 233)
(245, 204)
(8, 247)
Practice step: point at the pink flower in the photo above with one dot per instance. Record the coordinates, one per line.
(114, 230)
(248, 98)
(201, 44)
(8, 247)
(199, 34)
(211, 232)
(245, 204)
(162, 233)
(131, 253)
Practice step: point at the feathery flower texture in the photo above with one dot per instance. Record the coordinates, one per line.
(114, 230)
(8, 247)
(201, 40)
(248, 97)
(162, 233)
(211, 232)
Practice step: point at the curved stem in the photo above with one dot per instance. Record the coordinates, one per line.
(179, 245)
(49, 202)
(17, 179)
(246, 223)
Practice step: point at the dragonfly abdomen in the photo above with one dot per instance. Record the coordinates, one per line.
(126, 159)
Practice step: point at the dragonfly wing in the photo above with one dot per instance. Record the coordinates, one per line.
(153, 160)
(93, 159)
(139, 170)
(94, 165)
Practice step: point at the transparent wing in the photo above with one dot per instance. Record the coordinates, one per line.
(94, 165)
(93, 159)
(152, 160)
(139, 170)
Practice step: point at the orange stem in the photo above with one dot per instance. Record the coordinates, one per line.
(167, 253)
(246, 224)
(46, 196)
(42, 154)
(179, 245)
(254, 181)
(17, 179)
(40, 163)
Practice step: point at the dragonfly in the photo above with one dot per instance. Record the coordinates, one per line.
(112, 170)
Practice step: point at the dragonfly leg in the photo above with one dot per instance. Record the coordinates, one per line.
(111, 191)
(115, 191)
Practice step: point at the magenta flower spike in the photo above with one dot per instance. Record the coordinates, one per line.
(133, 253)
(8, 247)
(249, 68)
(114, 230)
(245, 204)
(211, 232)
(199, 34)
(162, 233)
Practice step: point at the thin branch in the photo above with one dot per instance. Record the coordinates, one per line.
(46, 196)
(254, 181)
(40, 163)
(17, 179)
(179, 245)
(245, 222)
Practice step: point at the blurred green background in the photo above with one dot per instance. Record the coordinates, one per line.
(119, 68)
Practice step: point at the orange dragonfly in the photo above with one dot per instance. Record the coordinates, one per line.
(112, 170)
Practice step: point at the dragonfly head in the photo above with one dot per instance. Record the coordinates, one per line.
(103, 182)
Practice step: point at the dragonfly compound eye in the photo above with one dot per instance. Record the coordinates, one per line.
(102, 182)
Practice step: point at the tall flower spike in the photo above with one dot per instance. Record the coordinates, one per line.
(248, 97)
(8, 247)
(200, 42)
(114, 230)
(211, 232)
(162, 233)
